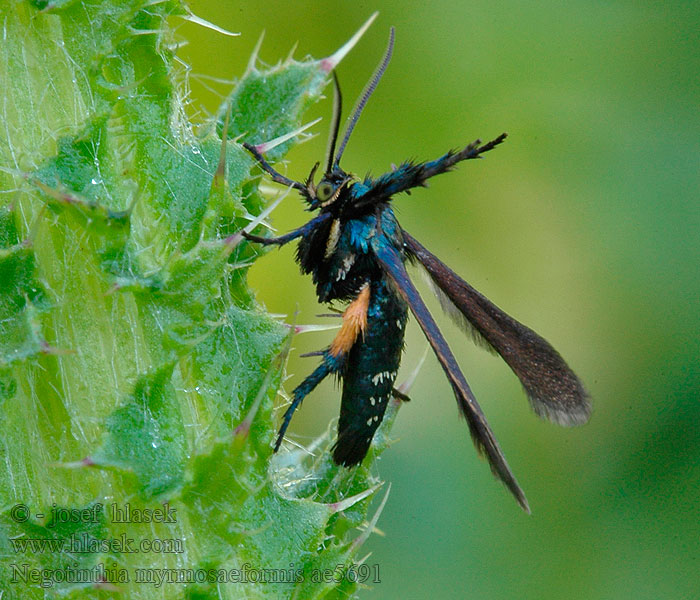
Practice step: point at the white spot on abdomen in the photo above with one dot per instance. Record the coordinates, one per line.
(380, 377)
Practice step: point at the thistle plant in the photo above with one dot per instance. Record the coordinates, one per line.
(139, 378)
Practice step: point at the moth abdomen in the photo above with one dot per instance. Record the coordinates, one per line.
(369, 374)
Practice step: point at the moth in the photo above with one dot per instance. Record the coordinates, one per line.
(356, 252)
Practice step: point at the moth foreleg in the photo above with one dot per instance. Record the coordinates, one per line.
(270, 241)
(274, 175)
(287, 237)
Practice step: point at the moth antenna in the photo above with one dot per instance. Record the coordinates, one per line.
(335, 123)
(364, 97)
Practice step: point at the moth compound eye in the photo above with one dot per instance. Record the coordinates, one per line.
(324, 191)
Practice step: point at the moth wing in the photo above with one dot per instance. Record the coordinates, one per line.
(554, 390)
(457, 316)
(392, 264)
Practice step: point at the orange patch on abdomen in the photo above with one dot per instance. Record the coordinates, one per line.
(354, 323)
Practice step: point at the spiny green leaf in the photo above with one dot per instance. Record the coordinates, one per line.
(22, 296)
(266, 103)
(146, 436)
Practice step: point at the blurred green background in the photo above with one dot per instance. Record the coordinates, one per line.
(585, 225)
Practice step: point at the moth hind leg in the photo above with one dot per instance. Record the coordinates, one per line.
(354, 323)
(300, 392)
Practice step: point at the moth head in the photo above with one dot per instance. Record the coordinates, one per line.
(328, 191)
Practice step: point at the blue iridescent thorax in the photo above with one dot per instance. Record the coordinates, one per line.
(338, 254)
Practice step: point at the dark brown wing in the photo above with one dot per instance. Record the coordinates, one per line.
(392, 265)
(552, 387)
